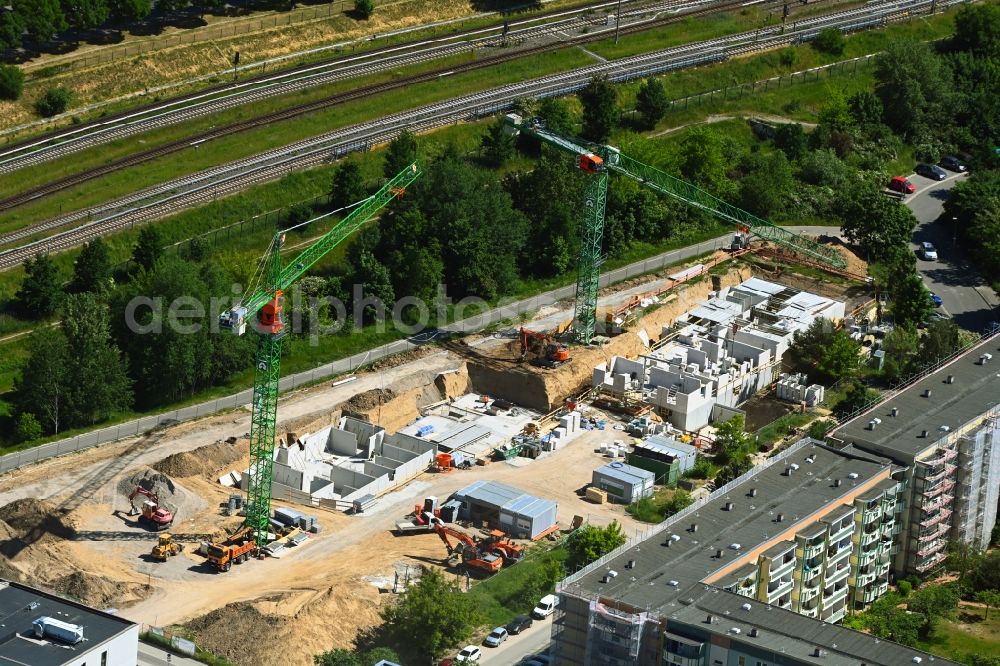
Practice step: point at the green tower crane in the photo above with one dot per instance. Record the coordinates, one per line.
(264, 303)
(598, 161)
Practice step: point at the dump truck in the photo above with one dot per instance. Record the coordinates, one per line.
(166, 547)
(234, 550)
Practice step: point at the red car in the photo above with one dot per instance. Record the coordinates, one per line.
(902, 185)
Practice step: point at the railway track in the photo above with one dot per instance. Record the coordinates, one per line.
(223, 180)
(553, 26)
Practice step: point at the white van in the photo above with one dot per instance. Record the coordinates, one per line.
(545, 607)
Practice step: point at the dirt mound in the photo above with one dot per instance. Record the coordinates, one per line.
(148, 479)
(203, 461)
(453, 384)
(99, 591)
(224, 632)
(363, 402)
(32, 517)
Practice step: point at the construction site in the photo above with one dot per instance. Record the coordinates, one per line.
(298, 520)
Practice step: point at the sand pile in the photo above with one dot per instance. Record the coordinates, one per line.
(207, 461)
(224, 632)
(364, 402)
(34, 518)
(99, 591)
(151, 480)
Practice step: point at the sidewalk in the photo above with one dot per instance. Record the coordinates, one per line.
(150, 655)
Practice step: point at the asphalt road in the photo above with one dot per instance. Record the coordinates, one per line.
(516, 648)
(966, 297)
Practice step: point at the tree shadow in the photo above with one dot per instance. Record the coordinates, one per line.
(505, 6)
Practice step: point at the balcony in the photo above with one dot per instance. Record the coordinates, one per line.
(942, 456)
(867, 558)
(937, 503)
(836, 597)
(837, 575)
(947, 470)
(810, 552)
(778, 569)
(927, 565)
(942, 515)
(883, 570)
(812, 612)
(838, 533)
(941, 487)
(870, 537)
(930, 548)
(932, 534)
(864, 579)
(883, 588)
(783, 588)
(808, 594)
(888, 528)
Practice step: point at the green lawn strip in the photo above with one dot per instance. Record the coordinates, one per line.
(782, 426)
(240, 145)
(515, 591)
(969, 635)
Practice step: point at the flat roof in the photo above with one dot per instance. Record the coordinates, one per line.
(751, 522)
(665, 444)
(530, 506)
(18, 644)
(626, 473)
(490, 492)
(975, 391)
(786, 632)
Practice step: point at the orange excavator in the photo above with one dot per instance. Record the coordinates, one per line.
(151, 512)
(498, 543)
(548, 352)
(471, 552)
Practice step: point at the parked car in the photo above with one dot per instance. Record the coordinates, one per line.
(447, 662)
(902, 185)
(496, 637)
(928, 251)
(470, 654)
(546, 606)
(932, 171)
(952, 164)
(519, 624)
(936, 300)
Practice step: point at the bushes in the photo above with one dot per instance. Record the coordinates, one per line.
(830, 40)
(364, 8)
(11, 82)
(53, 102)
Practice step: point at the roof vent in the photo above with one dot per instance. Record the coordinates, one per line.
(694, 527)
(33, 605)
(746, 607)
(753, 632)
(788, 471)
(611, 574)
(710, 619)
(718, 554)
(945, 428)
(985, 358)
(811, 459)
(917, 660)
(630, 564)
(675, 537)
(753, 492)
(734, 630)
(895, 411)
(780, 517)
(735, 546)
(927, 393)
(836, 483)
(950, 380)
(852, 475)
(923, 434)
(729, 506)
(673, 583)
(47, 627)
(819, 652)
(794, 466)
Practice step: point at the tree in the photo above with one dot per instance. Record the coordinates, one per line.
(830, 40)
(53, 102)
(840, 358)
(985, 575)
(977, 30)
(556, 115)
(97, 385)
(932, 602)
(41, 387)
(168, 6)
(432, 615)
(767, 183)
(41, 290)
(901, 346)
(823, 167)
(92, 268)
(824, 353)
(348, 186)
(600, 109)
(375, 655)
(651, 102)
(131, 10)
(790, 139)
(402, 152)
(373, 276)
(866, 108)
(886, 620)
(364, 8)
(338, 657)
(86, 14)
(148, 248)
(497, 144)
(819, 428)
(989, 598)
(911, 301)
(732, 442)
(940, 339)
(11, 82)
(11, 29)
(915, 88)
(702, 160)
(975, 206)
(857, 397)
(43, 19)
(588, 543)
(875, 222)
(28, 428)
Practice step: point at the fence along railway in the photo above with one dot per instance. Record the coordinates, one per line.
(220, 181)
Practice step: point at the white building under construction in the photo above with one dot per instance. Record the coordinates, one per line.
(718, 355)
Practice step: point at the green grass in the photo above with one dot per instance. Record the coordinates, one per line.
(656, 508)
(969, 634)
(515, 591)
(782, 426)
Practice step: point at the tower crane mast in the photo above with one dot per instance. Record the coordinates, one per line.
(264, 304)
(598, 161)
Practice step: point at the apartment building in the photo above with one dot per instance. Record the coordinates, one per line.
(801, 539)
(719, 354)
(945, 431)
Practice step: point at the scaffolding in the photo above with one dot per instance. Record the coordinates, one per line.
(614, 634)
